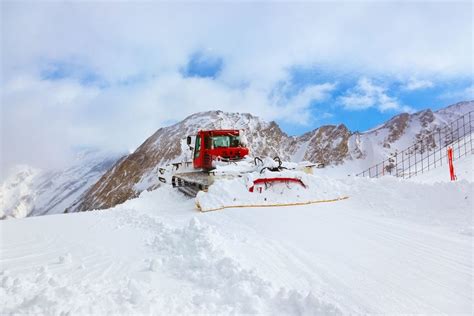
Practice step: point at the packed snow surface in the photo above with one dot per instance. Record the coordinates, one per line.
(394, 247)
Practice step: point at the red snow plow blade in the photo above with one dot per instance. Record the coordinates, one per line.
(272, 180)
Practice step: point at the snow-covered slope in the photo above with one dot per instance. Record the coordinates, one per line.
(463, 169)
(402, 131)
(394, 247)
(366, 149)
(29, 192)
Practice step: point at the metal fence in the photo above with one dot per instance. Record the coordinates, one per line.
(429, 152)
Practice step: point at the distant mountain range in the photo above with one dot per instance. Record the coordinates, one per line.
(108, 181)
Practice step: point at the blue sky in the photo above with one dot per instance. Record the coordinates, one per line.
(71, 75)
(202, 65)
(422, 94)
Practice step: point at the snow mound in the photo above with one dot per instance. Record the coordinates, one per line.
(45, 292)
(194, 253)
(14, 199)
(246, 191)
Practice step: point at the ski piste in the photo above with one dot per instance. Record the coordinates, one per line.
(394, 247)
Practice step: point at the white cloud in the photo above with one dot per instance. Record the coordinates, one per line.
(366, 94)
(417, 84)
(44, 119)
(158, 37)
(39, 120)
(459, 94)
(296, 108)
(147, 43)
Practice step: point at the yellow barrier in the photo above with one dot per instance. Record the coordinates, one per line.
(273, 205)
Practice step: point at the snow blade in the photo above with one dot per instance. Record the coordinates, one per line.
(272, 180)
(283, 188)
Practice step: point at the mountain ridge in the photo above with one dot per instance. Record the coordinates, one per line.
(329, 144)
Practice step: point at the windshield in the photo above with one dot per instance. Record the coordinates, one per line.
(225, 141)
(197, 148)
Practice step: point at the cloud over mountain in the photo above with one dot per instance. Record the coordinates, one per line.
(103, 74)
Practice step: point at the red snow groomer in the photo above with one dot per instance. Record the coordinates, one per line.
(219, 146)
(224, 145)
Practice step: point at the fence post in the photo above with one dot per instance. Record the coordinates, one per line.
(396, 164)
(470, 131)
(416, 165)
(421, 152)
(403, 164)
(464, 135)
(450, 162)
(428, 158)
(439, 148)
(409, 166)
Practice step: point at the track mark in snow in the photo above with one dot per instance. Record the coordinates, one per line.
(381, 257)
(196, 254)
(192, 253)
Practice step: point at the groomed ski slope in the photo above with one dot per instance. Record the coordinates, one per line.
(393, 247)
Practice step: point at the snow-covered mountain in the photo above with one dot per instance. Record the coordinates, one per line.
(335, 146)
(96, 180)
(370, 147)
(29, 191)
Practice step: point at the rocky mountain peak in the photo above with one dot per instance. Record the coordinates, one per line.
(396, 127)
(326, 144)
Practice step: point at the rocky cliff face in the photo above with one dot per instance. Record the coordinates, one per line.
(326, 144)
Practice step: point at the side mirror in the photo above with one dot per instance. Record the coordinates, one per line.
(188, 140)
